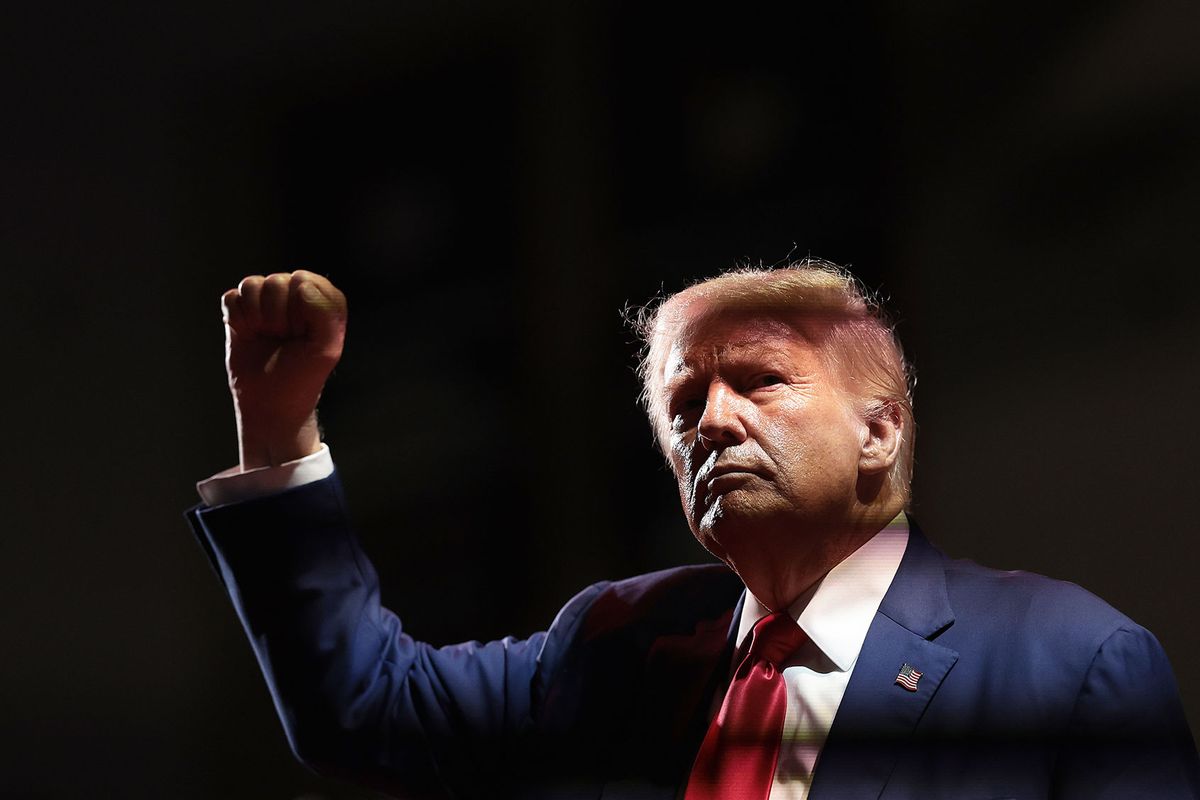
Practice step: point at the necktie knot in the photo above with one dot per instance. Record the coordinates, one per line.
(775, 637)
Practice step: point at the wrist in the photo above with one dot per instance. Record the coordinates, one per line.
(269, 444)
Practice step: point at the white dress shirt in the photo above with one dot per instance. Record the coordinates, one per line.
(835, 613)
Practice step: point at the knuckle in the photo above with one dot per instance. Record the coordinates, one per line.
(277, 280)
(250, 282)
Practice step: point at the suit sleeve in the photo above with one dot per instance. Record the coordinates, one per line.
(1128, 736)
(357, 696)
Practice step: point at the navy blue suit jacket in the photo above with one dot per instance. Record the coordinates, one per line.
(1030, 688)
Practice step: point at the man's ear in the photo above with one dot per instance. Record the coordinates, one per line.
(882, 435)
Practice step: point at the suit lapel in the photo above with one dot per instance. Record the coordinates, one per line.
(877, 716)
(683, 673)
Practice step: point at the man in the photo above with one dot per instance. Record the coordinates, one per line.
(836, 654)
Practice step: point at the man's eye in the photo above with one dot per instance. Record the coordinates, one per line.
(686, 408)
(769, 379)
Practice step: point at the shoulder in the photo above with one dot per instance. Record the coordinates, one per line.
(1044, 661)
(620, 619)
(1050, 651)
(997, 614)
(657, 600)
(1029, 597)
(1055, 610)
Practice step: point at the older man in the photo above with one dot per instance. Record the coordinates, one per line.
(836, 654)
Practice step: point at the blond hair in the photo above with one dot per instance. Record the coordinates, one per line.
(826, 305)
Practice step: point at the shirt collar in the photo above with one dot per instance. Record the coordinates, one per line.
(836, 611)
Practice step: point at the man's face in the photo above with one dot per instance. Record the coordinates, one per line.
(761, 438)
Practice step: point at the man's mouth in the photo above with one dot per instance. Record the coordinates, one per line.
(723, 470)
(723, 479)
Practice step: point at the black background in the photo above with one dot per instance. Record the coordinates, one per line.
(491, 183)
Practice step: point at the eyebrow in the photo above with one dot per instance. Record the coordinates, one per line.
(685, 371)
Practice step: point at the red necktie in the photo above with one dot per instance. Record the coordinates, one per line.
(737, 758)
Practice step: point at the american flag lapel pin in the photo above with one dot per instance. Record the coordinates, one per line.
(908, 677)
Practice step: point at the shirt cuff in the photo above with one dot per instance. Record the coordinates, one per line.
(234, 486)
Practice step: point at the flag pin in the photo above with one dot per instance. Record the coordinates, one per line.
(908, 677)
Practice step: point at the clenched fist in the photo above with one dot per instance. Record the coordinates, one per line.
(283, 336)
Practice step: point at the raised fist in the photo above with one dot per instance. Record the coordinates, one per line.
(283, 336)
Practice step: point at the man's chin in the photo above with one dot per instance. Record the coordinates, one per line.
(731, 510)
(735, 522)
(724, 526)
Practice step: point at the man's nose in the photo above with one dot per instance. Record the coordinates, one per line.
(721, 424)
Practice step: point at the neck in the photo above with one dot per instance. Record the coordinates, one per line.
(783, 563)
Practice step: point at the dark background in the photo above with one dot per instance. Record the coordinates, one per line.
(491, 183)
